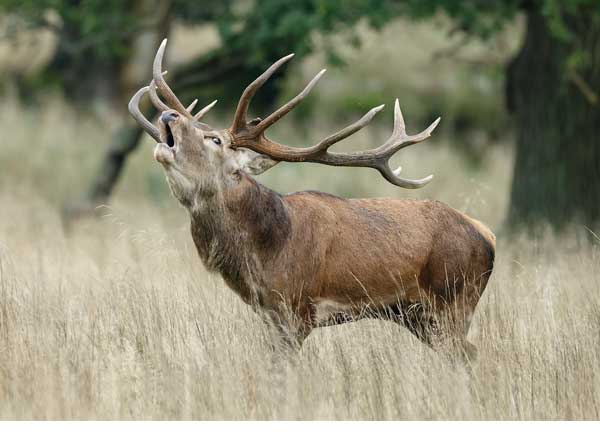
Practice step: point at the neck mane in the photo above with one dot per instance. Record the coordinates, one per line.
(239, 230)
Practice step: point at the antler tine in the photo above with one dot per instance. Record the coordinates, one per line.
(190, 107)
(399, 125)
(204, 111)
(239, 120)
(134, 109)
(349, 130)
(155, 98)
(399, 139)
(289, 106)
(393, 176)
(162, 85)
(158, 102)
(163, 107)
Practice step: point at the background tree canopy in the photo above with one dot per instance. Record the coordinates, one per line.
(551, 85)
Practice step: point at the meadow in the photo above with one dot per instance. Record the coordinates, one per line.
(114, 317)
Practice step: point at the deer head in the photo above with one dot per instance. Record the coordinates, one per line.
(201, 160)
(197, 159)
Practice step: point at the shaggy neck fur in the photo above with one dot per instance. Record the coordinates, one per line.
(239, 230)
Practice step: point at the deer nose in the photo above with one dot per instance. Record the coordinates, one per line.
(168, 116)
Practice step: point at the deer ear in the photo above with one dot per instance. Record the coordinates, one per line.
(254, 163)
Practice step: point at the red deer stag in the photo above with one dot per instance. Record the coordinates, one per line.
(310, 259)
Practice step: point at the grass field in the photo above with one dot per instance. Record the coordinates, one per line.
(119, 321)
(115, 318)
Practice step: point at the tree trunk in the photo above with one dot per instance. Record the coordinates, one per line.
(82, 75)
(557, 114)
(125, 80)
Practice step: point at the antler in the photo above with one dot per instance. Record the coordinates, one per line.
(134, 109)
(251, 135)
(158, 83)
(162, 86)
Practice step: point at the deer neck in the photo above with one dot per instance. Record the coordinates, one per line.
(240, 230)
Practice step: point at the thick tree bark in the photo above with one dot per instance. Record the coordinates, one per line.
(557, 114)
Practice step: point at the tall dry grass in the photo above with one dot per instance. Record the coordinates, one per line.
(120, 321)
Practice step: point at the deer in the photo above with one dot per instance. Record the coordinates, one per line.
(310, 259)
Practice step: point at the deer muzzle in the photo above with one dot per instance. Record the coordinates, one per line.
(164, 154)
(168, 116)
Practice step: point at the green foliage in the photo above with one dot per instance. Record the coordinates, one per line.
(105, 25)
(101, 24)
(202, 11)
(96, 33)
(481, 18)
(558, 12)
(274, 27)
(561, 18)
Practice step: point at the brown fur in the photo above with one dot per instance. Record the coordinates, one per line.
(285, 254)
(310, 259)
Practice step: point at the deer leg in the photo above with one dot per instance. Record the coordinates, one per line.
(414, 317)
(455, 320)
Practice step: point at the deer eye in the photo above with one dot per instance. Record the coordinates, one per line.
(216, 140)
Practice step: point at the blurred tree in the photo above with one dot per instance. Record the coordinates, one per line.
(99, 40)
(552, 88)
(552, 91)
(93, 43)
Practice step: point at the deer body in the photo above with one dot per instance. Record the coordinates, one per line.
(310, 259)
(317, 255)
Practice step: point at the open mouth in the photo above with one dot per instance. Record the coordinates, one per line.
(169, 139)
